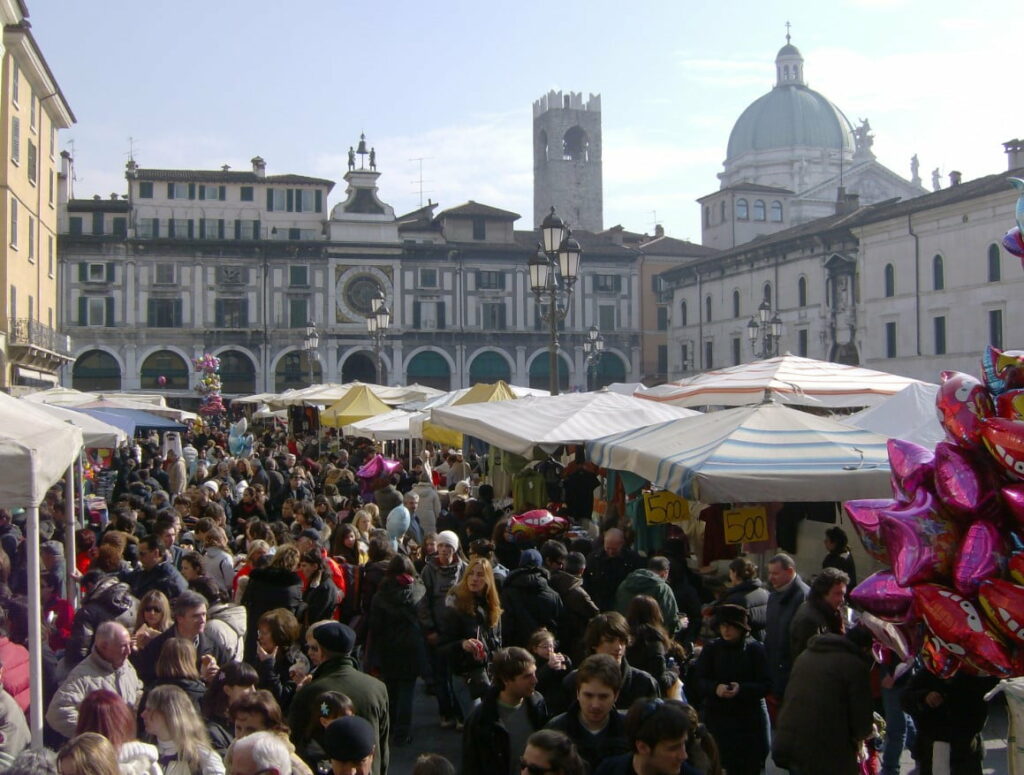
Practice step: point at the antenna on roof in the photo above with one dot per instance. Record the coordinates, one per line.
(419, 181)
(654, 214)
(131, 149)
(71, 145)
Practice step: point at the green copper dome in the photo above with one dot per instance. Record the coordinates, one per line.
(788, 116)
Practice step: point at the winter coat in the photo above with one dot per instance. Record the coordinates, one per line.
(137, 758)
(438, 581)
(14, 659)
(485, 740)
(550, 685)
(109, 600)
(193, 687)
(145, 660)
(456, 627)
(368, 695)
(90, 674)
(387, 498)
(959, 717)
(528, 603)
(163, 576)
(219, 566)
(827, 710)
(782, 607)
(319, 601)
(647, 582)
(275, 674)
(15, 736)
(226, 624)
(577, 610)
(739, 724)
(429, 508)
(610, 741)
(604, 574)
(648, 653)
(842, 561)
(635, 684)
(209, 762)
(811, 619)
(267, 589)
(395, 633)
(752, 595)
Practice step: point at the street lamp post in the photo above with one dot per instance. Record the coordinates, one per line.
(593, 347)
(554, 269)
(377, 324)
(765, 335)
(310, 345)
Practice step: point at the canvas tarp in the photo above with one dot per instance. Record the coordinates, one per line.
(909, 415)
(357, 404)
(384, 427)
(481, 393)
(95, 432)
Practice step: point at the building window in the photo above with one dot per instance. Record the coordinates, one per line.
(940, 335)
(890, 340)
(211, 228)
(736, 353)
(75, 226)
(994, 270)
(663, 318)
(298, 277)
(776, 212)
(247, 229)
(210, 193)
(709, 352)
(479, 228)
(53, 140)
(606, 317)
(179, 228)
(32, 158)
(707, 215)
(759, 213)
(177, 191)
(14, 223)
(742, 213)
(163, 313)
(428, 315)
(298, 313)
(662, 359)
(682, 313)
(96, 273)
(15, 81)
(995, 328)
(120, 228)
(428, 278)
(766, 293)
(721, 211)
(490, 281)
(97, 224)
(49, 254)
(96, 311)
(801, 292)
(735, 304)
(890, 281)
(492, 317)
(16, 140)
(231, 313)
(801, 342)
(32, 108)
(163, 274)
(707, 309)
(248, 194)
(147, 228)
(684, 355)
(31, 239)
(50, 188)
(607, 283)
(938, 275)
(145, 189)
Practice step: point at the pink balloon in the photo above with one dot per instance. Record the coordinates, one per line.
(864, 514)
(1013, 497)
(921, 540)
(913, 466)
(1004, 439)
(962, 403)
(966, 485)
(879, 594)
(888, 635)
(979, 556)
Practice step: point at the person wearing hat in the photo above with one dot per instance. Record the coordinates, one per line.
(350, 744)
(442, 572)
(528, 602)
(331, 643)
(731, 677)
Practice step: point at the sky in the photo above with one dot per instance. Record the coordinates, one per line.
(198, 84)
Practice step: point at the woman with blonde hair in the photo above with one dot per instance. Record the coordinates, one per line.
(180, 734)
(153, 618)
(176, 666)
(87, 754)
(471, 632)
(363, 523)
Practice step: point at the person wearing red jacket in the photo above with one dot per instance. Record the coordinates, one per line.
(57, 612)
(14, 659)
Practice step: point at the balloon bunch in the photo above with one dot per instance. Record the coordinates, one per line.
(949, 534)
(208, 386)
(1013, 240)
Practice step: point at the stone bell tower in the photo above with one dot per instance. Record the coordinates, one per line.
(567, 160)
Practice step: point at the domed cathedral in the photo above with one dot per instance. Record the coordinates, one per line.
(794, 156)
(567, 160)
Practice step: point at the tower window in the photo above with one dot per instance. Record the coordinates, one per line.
(938, 275)
(801, 292)
(766, 293)
(575, 145)
(735, 304)
(759, 210)
(682, 313)
(721, 211)
(707, 215)
(890, 281)
(994, 273)
(776, 211)
(707, 309)
(742, 211)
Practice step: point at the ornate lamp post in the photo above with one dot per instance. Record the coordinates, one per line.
(765, 335)
(377, 324)
(310, 345)
(593, 347)
(554, 269)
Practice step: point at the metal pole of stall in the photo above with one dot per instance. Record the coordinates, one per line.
(81, 489)
(35, 628)
(70, 525)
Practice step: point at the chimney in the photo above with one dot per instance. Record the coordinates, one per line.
(659, 231)
(955, 177)
(225, 167)
(1014, 153)
(96, 197)
(846, 203)
(259, 167)
(114, 197)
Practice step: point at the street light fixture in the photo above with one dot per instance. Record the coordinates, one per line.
(311, 345)
(765, 335)
(554, 269)
(593, 348)
(377, 324)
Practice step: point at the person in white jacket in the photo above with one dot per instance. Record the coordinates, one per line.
(429, 508)
(106, 667)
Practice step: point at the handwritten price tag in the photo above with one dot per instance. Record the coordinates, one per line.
(748, 524)
(665, 507)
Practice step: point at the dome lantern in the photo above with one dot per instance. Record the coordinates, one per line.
(789, 65)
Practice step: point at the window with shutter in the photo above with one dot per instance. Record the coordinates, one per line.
(16, 139)
(75, 226)
(440, 315)
(319, 204)
(145, 189)
(109, 318)
(247, 194)
(32, 161)
(97, 223)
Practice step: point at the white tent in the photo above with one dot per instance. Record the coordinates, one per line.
(550, 421)
(95, 433)
(331, 392)
(384, 427)
(788, 379)
(909, 415)
(752, 454)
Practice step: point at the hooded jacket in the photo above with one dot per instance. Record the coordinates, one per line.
(163, 576)
(647, 582)
(267, 589)
(137, 758)
(395, 627)
(438, 581)
(528, 603)
(109, 600)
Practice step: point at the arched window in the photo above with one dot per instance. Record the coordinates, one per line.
(542, 146)
(166, 364)
(682, 313)
(890, 281)
(96, 370)
(741, 209)
(237, 373)
(707, 309)
(994, 273)
(766, 293)
(735, 304)
(489, 367)
(938, 275)
(758, 209)
(576, 145)
(776, 211)
(801, 292)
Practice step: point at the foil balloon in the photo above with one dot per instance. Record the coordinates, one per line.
(962, 403)
(966, 485)
(1002, 370)
(1004, 439)
(912, 465)
(921, 540)
(161, 380)
(1003, 604)
(937, 659)
(536, 524)
(881, 596)
(1013, 242)
(978, 559)
(1018, 184)
(1013, 497)
(864, 514)
(1010, 404)
(956, 622)
(888, 635)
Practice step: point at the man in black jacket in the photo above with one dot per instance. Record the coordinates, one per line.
(578, 609)
(498, 728)
(609, 634)
(788, 593)
(528, 602)
(156, 571)
(189, 610)
(608, 567)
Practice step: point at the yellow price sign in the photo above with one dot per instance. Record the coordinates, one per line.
(746, 525)
(664, 507)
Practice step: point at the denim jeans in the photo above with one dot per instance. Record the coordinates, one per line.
(443, 685)
(400, 697)
(899, 730)
(463, 696)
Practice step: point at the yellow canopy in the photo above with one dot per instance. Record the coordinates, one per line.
(357, 404)
(480, 393)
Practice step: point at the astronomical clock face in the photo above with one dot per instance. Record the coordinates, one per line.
(356, 288)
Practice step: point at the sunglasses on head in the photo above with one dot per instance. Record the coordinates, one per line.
(533, 769)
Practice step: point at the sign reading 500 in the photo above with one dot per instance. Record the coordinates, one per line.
(748, 524)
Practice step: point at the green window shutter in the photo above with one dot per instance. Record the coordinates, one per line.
(202, 228)
(243, 314)
(319, 201)
(191, 190)
(170, 191)
(415, 314)
(218, 313)
(440, 315)
(222, 193)
(151, 312)
(177, 313)
(202, 191)
(156, 228)
(83, 271)
(83, 310)
(191, 228)
(238, 229)
(256, 229)
(109, 322)
(220, 228)
(270, 200)
(290, 203)
(110, 272)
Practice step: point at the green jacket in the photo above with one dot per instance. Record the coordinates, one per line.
(368, 695)
(647, 582)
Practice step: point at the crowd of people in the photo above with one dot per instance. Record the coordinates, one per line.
(274, 613)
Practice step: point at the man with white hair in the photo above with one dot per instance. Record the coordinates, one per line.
(261, 752)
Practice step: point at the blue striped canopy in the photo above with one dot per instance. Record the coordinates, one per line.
(752, 454)
(131, 420)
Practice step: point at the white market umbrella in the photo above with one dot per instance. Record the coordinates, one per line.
(909, 415)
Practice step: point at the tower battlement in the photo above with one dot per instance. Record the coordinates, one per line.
(556, 100)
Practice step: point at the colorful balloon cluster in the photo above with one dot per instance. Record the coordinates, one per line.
(208, 386)
(1013, 240)
(954, 588)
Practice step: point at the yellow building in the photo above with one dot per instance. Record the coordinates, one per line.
(32, 110)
